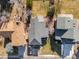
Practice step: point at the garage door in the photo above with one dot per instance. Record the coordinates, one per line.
(68, 50)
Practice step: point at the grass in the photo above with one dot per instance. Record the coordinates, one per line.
(56, 48)
(57, 7)
(2, 51)
(71, 7)
(47, 48)
(40, 8)
(67, 7)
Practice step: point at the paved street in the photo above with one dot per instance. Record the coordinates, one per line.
(41, 58)
(31, 57)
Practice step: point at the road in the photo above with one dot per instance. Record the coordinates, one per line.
(41, 58)
(32, 57)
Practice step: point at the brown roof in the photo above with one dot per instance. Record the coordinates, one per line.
(16, 32)
(19, 36)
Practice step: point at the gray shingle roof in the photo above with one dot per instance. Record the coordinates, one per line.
(37, 30)
(59, 33)
(76, 35)
(67, 28)
(69, 34)
(65, 23)
(35, 42)
(72, 34)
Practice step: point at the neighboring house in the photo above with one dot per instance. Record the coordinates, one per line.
(67, 32)
(5, 39)
(13, 34)
(19, 34)
(37, 32)
(12, 31)
(13, 38)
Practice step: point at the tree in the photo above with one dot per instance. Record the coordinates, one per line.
(29, 4)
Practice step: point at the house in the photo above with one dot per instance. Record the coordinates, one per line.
(19, 35)
(67, 32)
(37, 32)
(12, 33)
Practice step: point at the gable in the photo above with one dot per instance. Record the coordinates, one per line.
(69, 34)
(35, 42)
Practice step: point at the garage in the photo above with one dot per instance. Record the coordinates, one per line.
(33, 50)
(21, 50)
(67, 48)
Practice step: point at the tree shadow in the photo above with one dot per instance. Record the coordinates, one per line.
(77, 55)
(55, 44)
(5, 5)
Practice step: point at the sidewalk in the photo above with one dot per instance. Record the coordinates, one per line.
(42, 57)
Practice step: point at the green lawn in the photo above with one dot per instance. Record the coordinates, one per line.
(47, 49)
(69, 6)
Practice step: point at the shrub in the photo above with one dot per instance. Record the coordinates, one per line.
(29, 4)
